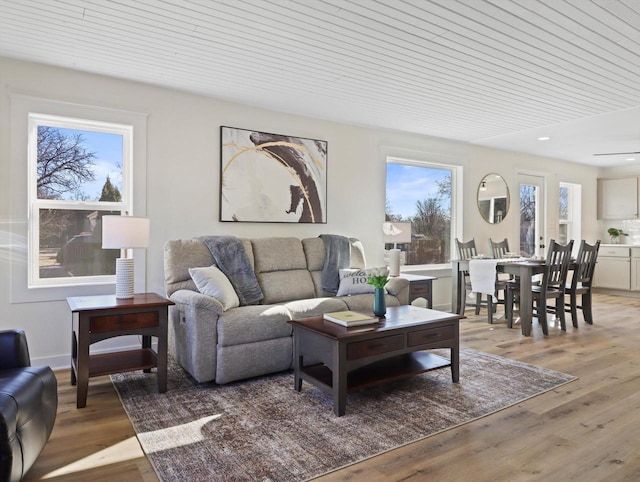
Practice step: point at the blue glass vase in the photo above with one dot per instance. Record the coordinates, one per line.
(379, 304)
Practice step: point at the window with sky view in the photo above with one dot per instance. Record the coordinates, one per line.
(76, 178)
(421, 194)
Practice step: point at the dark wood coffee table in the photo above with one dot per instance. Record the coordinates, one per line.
(354, 358)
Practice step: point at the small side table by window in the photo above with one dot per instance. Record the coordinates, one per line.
(96, 318)
(420, 287)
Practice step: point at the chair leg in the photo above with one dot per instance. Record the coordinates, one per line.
(586, 307)
(490, 309)
(462, 299)
(560, 313)
(542, 315)
(508, 308)
(574, 309)
(478, 302)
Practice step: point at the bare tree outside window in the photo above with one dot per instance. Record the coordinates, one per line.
(74, 169)
(421, 195)
(527, 219)
(65, 164)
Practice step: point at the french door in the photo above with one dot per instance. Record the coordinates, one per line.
(532, 225)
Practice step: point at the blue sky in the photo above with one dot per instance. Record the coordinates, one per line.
(407, 184)
(108, 160)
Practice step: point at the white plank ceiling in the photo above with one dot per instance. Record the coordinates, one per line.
(498, 73)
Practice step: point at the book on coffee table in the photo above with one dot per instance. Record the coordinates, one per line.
(349, 318)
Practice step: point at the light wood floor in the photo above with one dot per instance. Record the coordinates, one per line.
(585, 430)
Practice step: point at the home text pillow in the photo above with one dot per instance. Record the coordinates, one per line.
(354, 282)
(211, 281)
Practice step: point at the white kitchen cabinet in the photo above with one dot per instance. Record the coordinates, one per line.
(613, 269)
(618, 198)
(635, 269)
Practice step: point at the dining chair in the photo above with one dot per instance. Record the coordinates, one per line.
(581, 280)
(554, 278)
(468, 250)
(499, 249)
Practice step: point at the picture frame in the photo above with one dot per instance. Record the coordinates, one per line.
(272, 178)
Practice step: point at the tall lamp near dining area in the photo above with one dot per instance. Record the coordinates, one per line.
(396, 233)
(125, 233)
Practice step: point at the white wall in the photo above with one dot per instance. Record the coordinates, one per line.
(183, 180)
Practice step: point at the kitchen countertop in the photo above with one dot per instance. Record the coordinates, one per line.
(609, 245)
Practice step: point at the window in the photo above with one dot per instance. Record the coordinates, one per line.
(569, 213)
(79, 171)
(423, 194)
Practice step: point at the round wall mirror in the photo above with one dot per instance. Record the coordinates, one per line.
(493, 198)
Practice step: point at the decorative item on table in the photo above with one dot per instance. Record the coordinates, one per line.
(614, 235)
(349, 318)
(124, 232)
(378, 278)
(396, 233)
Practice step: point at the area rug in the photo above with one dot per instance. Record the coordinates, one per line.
(263, 430)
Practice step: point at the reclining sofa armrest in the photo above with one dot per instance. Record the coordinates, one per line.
(399, 287)
(14, 351)
(197, 300)
(193, 333)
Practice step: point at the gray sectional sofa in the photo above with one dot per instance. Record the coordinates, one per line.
(248, 341)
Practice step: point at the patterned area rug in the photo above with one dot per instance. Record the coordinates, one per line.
(262, 430)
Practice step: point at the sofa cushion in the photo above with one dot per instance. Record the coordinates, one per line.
(278, 254)
(279, 286)
(179, 256)
(249, 324)
(354, 282)
(314, 307)
(212, 282)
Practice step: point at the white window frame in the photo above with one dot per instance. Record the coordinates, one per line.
(435, 161)
(18, 247)
(36, 120)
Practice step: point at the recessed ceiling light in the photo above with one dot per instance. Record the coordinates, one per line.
(630, 159)
(544, 138)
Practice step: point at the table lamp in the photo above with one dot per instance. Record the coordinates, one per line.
(124, 232)
(396, 233)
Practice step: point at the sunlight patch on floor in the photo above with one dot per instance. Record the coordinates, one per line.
(126, 450)
(179, 435)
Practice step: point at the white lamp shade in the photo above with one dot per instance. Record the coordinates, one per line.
(125, 232)
(396, 233)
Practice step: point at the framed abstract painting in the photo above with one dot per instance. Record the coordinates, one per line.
(272, 178)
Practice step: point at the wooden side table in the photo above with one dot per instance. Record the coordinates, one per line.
(96, 318)
(420, 287)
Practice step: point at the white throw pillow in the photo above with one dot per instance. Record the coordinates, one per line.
(354, 282)
(211, 281)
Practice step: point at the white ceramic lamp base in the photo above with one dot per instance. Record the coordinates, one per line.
(124, 278)
(394, 262)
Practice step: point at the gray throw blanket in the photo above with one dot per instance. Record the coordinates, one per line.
(232, 259)
(337, 257)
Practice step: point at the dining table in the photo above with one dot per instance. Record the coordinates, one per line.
(522, 268)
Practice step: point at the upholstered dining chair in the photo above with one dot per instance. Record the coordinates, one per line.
(582, 277)
(554, 278)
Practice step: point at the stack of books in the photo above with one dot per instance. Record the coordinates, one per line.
(350, 318)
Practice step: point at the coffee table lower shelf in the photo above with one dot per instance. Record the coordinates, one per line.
(383, 371)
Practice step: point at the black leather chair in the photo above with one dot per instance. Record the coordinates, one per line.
(28, 405)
